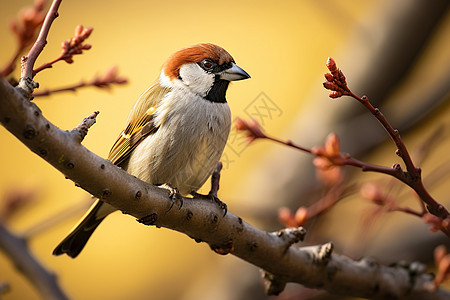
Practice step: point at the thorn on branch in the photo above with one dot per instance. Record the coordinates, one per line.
(323, 254)
(273, 285)
(82, 129)
(291, 236)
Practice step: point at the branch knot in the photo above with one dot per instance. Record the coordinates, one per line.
(27, 86)
(273, 284)
(290, 236)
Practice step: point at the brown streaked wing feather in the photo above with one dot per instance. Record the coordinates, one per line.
(130, 138)
(139, 125)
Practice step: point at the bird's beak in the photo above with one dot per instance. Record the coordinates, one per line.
(234, 73)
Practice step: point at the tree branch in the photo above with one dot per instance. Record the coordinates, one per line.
(24, 29)
(28, 61)
(16, 249)
(315, 267)
(337, 84)
(69, 48)
(105, 81)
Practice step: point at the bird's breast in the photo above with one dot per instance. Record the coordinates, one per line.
(188, 144)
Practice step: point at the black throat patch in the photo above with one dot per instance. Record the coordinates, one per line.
(218, 90)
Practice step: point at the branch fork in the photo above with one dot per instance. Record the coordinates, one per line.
(26, 81)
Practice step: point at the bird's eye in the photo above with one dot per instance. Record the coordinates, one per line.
(207, 64)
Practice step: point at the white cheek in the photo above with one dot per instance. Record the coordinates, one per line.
(198, 81)
(164, 80)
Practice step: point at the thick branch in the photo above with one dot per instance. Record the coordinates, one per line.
(202, 220)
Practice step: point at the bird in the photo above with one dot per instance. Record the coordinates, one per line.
(175, 133)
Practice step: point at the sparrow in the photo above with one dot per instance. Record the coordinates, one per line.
(175, 133)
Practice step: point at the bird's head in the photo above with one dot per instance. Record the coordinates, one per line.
(205, 69)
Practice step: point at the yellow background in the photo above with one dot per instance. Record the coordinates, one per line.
(283, 45)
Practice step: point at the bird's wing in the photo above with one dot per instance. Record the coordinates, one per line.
(139, 125)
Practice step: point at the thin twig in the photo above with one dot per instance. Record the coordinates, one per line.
(70, 88)
(25, 29)
(29, 60)
(331, 156)
(105, 81)
(70, 48)
(336, 82)
(402, 151)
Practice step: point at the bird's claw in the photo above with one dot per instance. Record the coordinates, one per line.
(221, 204)
(174, 195)
(213, 198)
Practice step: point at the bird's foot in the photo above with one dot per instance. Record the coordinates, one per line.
(213, 198)
(174, 195)
(212, 195)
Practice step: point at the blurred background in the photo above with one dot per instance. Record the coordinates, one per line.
(395, 52)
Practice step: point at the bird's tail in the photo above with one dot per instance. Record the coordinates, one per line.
(78, 237)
